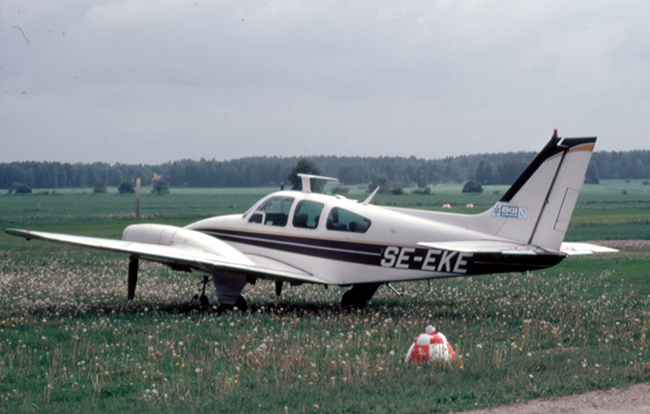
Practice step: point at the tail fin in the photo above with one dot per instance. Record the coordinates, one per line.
(537, 209)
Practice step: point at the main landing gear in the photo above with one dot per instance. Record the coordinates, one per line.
(359, 295)
(201, 302)
(240, 304)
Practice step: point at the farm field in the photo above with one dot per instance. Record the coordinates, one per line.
(71, 342)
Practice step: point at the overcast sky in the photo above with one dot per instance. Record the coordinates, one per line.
(149, 81)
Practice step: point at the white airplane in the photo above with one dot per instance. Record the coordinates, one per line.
(304, 237)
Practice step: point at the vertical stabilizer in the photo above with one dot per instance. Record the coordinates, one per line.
(537, 209)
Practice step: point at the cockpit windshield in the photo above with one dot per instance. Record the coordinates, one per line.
(273, 212)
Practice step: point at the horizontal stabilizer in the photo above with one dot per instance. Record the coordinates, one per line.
(572, 248)
(485, 246)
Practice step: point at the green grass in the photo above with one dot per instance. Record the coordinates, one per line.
(71, 342)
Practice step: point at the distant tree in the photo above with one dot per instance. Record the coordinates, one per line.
(380, 181)
(422, 177)
(21, 188)
(99, 188)
(423, 191)
(340, 190)
(472, 187)
(126, 188)
(486, 172)
(398, 191)
(304, 166)
(160, 187)
(591, 176)
(510, 169)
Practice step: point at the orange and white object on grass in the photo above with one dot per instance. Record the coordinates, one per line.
(430, 346)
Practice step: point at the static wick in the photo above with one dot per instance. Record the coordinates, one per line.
(23, 33)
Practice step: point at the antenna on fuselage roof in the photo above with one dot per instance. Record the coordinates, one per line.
(306, 180)
(371, 196)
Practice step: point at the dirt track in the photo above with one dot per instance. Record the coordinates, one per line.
(634, 400)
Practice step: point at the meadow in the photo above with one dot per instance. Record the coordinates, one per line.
(71, 342)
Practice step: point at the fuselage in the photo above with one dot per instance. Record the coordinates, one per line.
(342, 241)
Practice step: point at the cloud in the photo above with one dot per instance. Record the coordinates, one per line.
(189, 79)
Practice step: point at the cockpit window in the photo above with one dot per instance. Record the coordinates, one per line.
(307, 214)
(273, 212)
(343, 220)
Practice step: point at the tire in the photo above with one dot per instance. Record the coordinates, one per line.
(351, 299)
(240, 304)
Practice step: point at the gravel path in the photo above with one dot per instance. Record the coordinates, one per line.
(632, 400)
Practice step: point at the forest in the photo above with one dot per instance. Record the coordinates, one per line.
(499, 168)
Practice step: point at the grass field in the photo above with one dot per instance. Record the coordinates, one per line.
(71, 342)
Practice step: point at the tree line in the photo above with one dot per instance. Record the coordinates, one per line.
(501, 168)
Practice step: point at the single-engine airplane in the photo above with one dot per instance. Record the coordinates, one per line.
(304, 237)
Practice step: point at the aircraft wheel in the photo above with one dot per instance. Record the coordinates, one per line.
(351, 299)
(201, 302)
(359, 295)
(240, 304)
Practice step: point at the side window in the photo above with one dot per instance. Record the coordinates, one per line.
(274, 212)
(307, 214)
(343, 220)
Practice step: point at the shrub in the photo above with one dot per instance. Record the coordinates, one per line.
(21, 188)
(99, 188)
(126, 188)
(472, 187)
(160, 187)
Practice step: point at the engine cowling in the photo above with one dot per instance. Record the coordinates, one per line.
(166, 235)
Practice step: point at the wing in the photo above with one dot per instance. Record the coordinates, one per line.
(181, 248)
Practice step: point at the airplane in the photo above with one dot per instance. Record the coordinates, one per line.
(305, 237)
